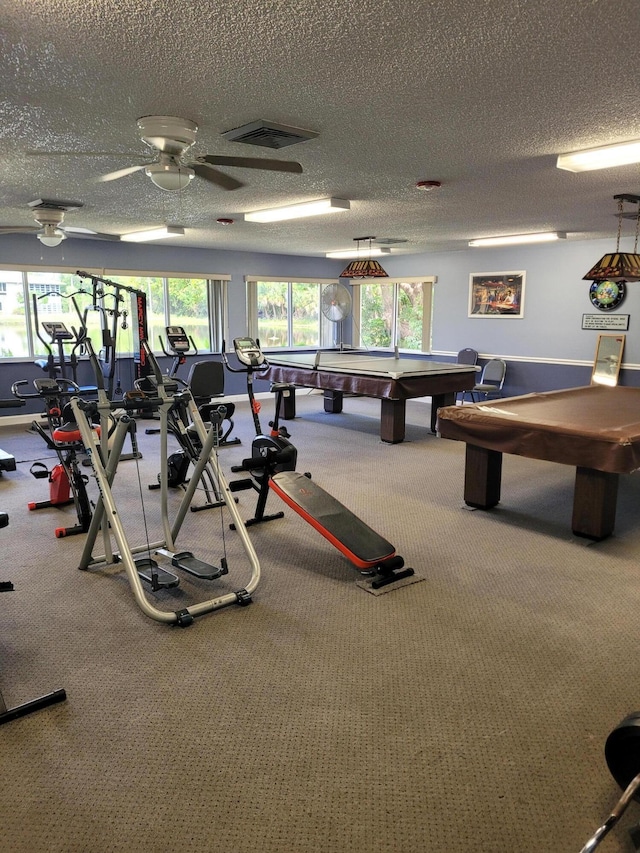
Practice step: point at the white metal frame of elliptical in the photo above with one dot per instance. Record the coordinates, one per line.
(104, 453)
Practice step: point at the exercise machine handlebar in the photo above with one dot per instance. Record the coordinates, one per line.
(249, 354)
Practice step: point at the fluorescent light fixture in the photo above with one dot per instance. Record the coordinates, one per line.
(600, 158)
(360, 253)
(297, 211)
(542, 237)
(153, 234)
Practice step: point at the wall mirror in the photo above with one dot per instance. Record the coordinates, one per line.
(606, 367)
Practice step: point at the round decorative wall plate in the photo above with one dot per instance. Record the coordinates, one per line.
(607, 295)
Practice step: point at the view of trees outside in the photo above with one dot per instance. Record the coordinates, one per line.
(378, 306)
(275, 300)
(410, 315)
(188, 307)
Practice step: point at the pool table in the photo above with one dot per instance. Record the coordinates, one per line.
(595, 429)
(393, 380)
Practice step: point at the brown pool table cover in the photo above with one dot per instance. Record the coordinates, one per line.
(592, 427)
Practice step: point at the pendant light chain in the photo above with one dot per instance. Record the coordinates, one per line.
(619, 225)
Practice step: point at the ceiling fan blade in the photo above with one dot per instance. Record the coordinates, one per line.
(129, 155)
(252, 163)
(87, 233)
(18, 229)
(203, 170)
(120, 173)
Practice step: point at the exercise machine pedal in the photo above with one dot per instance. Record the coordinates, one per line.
(153, 574)
(186, 561)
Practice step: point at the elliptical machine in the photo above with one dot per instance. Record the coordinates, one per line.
(270, 453)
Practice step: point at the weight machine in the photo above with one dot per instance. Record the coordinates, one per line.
(138, 563)
(104, 289)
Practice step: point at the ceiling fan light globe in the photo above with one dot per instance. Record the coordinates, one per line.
(51, 236)
(169, 177)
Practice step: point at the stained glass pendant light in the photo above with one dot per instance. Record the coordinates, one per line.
(361, 267)
(619, 266)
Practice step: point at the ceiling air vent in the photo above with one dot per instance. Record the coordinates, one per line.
(268, 134)
(390, 241)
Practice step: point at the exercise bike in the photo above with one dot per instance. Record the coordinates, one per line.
(272, 467)
(270, 454)
(67, 484)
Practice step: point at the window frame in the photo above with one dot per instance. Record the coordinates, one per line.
(251, 283)
(428, 283)
(216, 292)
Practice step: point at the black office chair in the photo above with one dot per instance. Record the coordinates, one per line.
(206, 383)
(491, 381)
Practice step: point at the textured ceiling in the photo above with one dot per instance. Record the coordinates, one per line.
(478, 94)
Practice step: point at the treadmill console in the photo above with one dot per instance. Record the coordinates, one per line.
(248, 352)
(177, 337)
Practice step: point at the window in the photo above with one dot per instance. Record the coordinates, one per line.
(394, 312)
(30, 297)
(196, 304)
(287, 314)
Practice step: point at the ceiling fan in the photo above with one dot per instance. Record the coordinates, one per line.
(49, 216)
(172, 170)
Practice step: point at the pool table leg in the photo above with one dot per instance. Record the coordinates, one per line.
(332, 401)
(392, 420)
(482, 477)
(287, 409)
(594, 503)
(438, 401)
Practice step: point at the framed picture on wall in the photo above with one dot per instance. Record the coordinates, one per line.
(496, 294)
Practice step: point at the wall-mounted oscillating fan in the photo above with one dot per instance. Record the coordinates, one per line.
(335, 301)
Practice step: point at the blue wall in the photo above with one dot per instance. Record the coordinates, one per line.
(546, 349)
